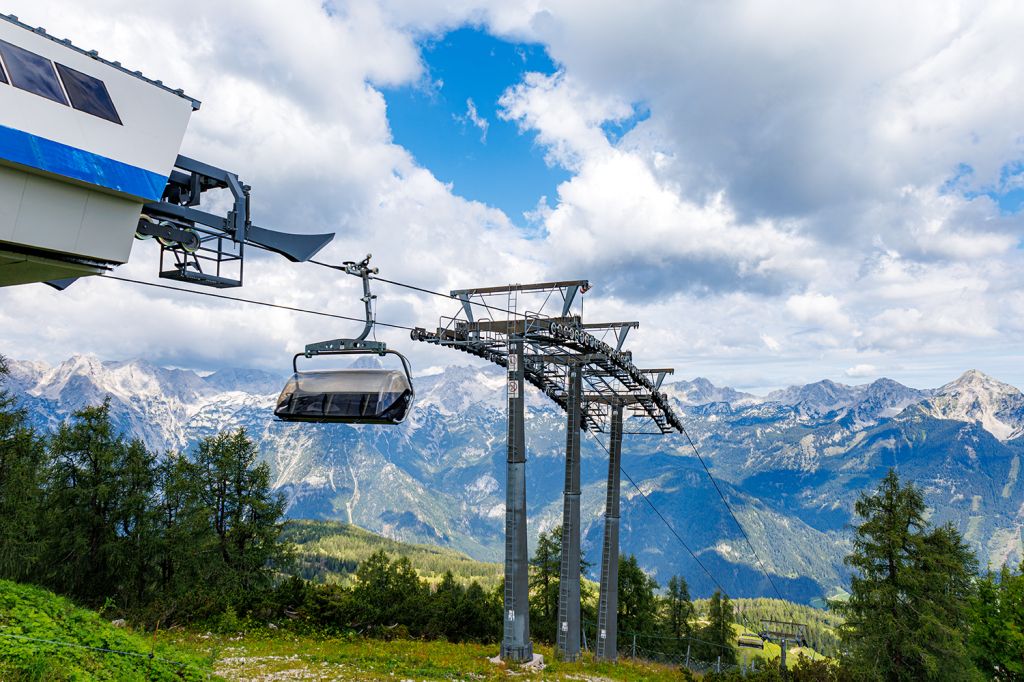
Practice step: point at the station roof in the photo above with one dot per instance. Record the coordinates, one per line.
(94, 55)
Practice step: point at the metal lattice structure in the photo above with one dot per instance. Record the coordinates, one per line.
(783, 633)
(584, 369)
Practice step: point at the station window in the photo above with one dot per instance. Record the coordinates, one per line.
(88, 94)
(31, 72)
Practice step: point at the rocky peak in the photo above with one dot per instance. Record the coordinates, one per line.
(701, 391)
(247, 380)
(821, 397)
(887, 398)
(975, 396)
(977, 382)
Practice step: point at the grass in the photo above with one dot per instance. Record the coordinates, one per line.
(280, 656)
(46, 637)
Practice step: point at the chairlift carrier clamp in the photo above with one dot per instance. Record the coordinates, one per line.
(359, 344)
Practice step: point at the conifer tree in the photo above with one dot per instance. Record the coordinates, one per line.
(678, 608)
(718, 634)
(996, 642)
(480, 615)
(242, 510)
(638, 605)
(545, 580)
(907, 614)
(445, 605)
(136, 522)
(218, 529)
(545, 569)
(81, 505)
(183, 566)
(21, 472)
(388, 593)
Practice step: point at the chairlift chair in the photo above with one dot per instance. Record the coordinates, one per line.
(750, 641)
(351, 395)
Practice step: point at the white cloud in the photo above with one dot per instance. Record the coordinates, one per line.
(475, 119)
(785, 206)
(818, 309)
(288, 103)
(778, 160)
(861, 371)
(566, 116)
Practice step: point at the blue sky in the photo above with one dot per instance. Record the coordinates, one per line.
(1007, 191)
(499, 166)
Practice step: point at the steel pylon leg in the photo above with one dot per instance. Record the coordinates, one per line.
(569, 584)
(608, 603)
(515, 643)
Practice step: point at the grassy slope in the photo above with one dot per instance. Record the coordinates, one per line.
(822, 624)
(329, 552)
(280, 657)
(771, 651)
(31, 612)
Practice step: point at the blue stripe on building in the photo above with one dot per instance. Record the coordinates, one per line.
(33, 151)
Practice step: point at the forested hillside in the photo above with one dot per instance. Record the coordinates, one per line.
(330, 551)
(822, 624)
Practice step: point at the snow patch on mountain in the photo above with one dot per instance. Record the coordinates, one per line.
(460, 388)
(167, 408)
(865, 404)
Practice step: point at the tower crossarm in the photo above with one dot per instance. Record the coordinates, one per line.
(553, 342)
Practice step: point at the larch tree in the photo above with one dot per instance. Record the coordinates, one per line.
(908, 611)
(638, 605)
(678, 608)
(718, 634)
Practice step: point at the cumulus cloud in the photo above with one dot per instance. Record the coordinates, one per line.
(566, 116)
(807, 155)
(617, 215)
(814, 185)
(289, 102)
(818, 309)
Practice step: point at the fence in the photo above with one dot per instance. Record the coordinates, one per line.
(699, 655)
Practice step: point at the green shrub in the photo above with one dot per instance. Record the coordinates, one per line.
(46, 637)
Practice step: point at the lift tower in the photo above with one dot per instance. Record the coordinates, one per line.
(600, 389)
(785, 633)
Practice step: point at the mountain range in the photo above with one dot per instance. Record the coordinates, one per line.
(791, 464)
